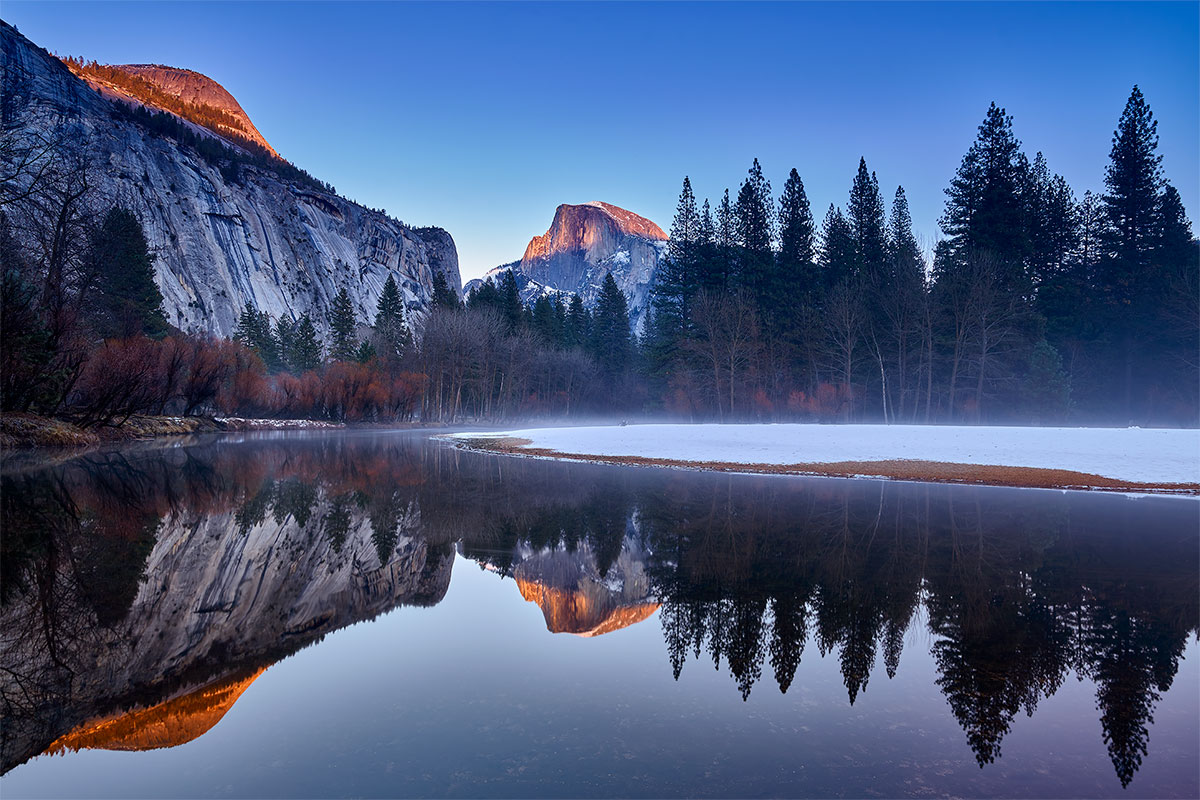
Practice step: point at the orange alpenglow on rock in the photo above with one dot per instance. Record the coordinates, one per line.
(588, 610)
(590, 227)
(190, 87)
(168, 724)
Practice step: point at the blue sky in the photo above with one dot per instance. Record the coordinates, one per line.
(483, 118)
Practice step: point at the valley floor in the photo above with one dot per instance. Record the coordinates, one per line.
(1113, 459)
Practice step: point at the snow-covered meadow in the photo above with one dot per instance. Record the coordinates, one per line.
(1143, 455)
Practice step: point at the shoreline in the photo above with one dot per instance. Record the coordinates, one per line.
(911, 470)
(22, 432)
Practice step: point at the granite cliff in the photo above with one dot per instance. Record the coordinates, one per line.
(222, 237)
(584, 244)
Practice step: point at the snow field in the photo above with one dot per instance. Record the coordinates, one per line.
(1143, 455)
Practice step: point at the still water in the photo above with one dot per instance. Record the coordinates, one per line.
(379, 614)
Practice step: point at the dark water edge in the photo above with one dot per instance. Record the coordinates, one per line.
(179, 619)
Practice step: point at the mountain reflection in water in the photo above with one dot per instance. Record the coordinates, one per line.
(144, 589)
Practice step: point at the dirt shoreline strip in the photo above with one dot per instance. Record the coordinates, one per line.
(893, 469)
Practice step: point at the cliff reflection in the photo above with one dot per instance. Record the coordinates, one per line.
(135, 578)
(142, 589)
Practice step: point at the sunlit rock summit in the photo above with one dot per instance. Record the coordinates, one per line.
(584, 243)
(189, 87)
(229, 222)
(577, 596)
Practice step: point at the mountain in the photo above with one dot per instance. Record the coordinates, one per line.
(583, 244)
(125, 82)
(229, 222)
(577, 597)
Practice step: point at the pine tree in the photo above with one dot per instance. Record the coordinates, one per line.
(902, 243)
(1134, 182)
(510, 306)
(708, 230)
(306, 346)
(797, 235)
(392, 335)
(865, 214)
(1093, 234)
(837, 249)
(254, 330)
(678, 275)
(900, 306)
(285, 341)
(342, 326)
(612, 342)
(443, 295)
(719, 273)
(1133, 283)
(1174, 244)
(543, 321)
(579, 323)
(755, 229)
(485, 295)
(985, 216)
(365, 352)
(119, 255)
(563, 340)
(683, 246)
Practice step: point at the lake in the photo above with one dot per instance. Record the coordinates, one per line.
(375, 613)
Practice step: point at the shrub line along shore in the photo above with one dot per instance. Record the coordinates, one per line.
(19, 430)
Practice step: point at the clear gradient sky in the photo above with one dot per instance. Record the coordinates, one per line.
(482, 118)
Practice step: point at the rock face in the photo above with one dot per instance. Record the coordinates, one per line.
(221, 240)
(584, 244)
(219, 596)
(192, 87)
(575, 597)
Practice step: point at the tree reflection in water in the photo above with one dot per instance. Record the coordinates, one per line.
(136, 578)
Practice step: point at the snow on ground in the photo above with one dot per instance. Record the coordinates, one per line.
(1143, 455)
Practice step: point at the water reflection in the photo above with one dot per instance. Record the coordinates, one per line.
(145, 589)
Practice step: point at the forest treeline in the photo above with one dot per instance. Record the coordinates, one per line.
(1037, 306)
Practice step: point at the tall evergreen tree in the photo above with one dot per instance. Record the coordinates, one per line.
(707, 259)
(285, 341)
(1134, 283)
(719, 273)
(579, 323)
(130, 302)
(611, 338)
(677, 277)
(1134, 181)
(544, 322)
(837, 249)
(865, 214)
(985, 216)
(254, 330)
(683, 246)
(393, 337)
(560, 322)
(443, 295)
(755, 229)
(797, 242)
(306, 346)
(510, 306)
(1174, 243)
(342, 327)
